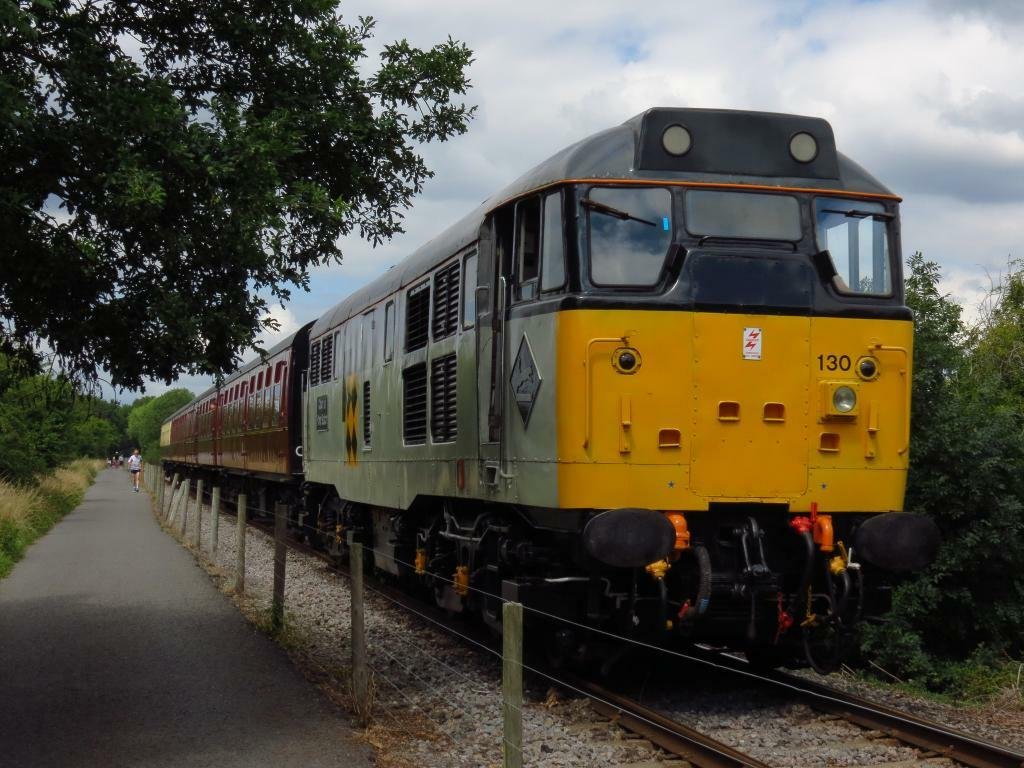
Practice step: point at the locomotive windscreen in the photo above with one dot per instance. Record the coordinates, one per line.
(742, 214)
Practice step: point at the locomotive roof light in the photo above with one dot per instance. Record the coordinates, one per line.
(676, 140)
(844, 399)
(803, 147)
(867, 368)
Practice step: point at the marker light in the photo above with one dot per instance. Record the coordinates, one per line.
(844, 399)
(867, 368)
(803, 147)
(676, 140)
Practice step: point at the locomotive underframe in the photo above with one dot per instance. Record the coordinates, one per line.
(746, 572)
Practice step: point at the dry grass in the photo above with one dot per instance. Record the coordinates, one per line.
(18, 504)
(27, 512)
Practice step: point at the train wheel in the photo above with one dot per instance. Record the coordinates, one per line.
(826, 645)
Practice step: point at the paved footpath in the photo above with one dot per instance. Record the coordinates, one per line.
(117, 650)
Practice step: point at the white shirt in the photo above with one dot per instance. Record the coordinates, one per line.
(134, 462)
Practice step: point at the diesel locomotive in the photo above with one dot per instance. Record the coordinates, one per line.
(659, 385)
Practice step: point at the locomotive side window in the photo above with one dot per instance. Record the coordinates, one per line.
(417, 317)
(553, 248)
(469, 292)
(389, 331)
(369, 326)
(527, 248)
(630, 233)
(855, 234)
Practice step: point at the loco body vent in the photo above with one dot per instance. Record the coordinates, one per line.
(443, 407)
(414, 404)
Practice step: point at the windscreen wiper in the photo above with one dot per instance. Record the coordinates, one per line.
(607, 210)
(858, 214)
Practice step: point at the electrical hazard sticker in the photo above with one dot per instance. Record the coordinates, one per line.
(752, 343)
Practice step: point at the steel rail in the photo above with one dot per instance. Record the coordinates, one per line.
(672, 736)
(706, 752)
(911, 729)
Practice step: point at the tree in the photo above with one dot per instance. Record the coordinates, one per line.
(154, 198)
(967, 473)
(148, 414)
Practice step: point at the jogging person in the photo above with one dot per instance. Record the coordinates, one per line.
(135, 467)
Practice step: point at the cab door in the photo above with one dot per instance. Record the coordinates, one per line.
(491, 298)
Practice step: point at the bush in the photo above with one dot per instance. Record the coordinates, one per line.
(967, 473)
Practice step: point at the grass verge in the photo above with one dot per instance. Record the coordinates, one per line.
(29, 511)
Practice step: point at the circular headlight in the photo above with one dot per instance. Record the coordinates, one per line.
(803, 147)
(676, 140)
(844, 399)
(867, 367)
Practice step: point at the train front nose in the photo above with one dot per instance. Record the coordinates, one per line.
(751, 385)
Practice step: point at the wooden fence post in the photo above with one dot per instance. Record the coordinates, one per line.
(187, 482)
(197, 536)
(280, 560)
(360, 672)
(240, 546)
(512, 683)
(161, 488)
(174, 488)
(172, 510)
(214, 521)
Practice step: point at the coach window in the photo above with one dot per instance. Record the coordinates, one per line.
(469, 292)
(552, 274)
(527, 248)
(855, 234)
(389, 331)
(630, 231)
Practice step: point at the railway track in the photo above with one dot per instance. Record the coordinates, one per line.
(932, 741)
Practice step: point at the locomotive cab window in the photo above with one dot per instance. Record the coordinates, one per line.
(553, 246)
(469, 292)
(527, 248)
(856, 235)
(742, 215)
(630, 231)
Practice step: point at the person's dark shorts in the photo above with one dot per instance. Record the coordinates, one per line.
(135, 471)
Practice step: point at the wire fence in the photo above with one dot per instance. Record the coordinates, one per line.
(398, 684)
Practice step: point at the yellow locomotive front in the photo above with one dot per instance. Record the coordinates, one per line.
(734, 376)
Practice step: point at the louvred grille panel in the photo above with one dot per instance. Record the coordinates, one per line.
(444, 425)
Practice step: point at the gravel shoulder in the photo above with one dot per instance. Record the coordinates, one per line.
(437, 703)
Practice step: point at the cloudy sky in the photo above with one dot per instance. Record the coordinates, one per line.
(928, 95)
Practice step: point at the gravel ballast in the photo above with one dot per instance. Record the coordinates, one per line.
(437, 701)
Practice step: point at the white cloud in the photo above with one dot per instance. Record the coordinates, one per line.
(923, 93)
